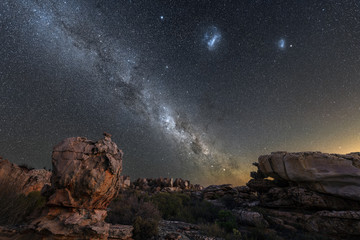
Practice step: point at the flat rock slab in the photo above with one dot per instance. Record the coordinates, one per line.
(334, 174)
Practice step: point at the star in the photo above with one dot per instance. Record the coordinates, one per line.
(162, 17)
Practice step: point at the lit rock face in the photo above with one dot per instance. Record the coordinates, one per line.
(22, 179)
(334, 174)
(86, 177)
(86, 174)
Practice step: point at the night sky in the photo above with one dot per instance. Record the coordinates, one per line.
(191, 89)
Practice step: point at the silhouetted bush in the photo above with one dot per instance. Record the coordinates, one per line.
(15, 208)
(145, 228)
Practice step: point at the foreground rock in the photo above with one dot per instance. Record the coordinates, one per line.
(311, 192)
(333, 174)
(22, 179)
(86, 177)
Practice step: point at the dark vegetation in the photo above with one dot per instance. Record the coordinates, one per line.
(16, 208)
(144, 213)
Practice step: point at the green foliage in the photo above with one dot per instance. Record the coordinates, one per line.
(171, 205)
(179, 206)
(15, 208)
(226, 220)
(129, 205)
(144, 228)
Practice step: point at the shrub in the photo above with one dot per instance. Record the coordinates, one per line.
(171, 205)
(227, 220)
(129, 205)
(179, 206)
(15, 208)
(144, 228)
(214, 230)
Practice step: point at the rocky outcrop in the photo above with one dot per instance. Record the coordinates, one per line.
(175, 230)
(85, 179)
(22, 179)
(310, 191)
(333, 174)
(155, 185)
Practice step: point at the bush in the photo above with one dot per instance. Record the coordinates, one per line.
(171, 205)
(129, 205)
(144, 228)
(15, 208)
(214, 230)
(227, 220)
(179, 206)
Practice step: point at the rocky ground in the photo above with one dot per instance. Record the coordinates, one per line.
(306, 195)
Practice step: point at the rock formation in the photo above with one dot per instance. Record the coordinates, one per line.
(21, 178)
(333, 174)
(154, 185)
(86, 177)
(310, 191)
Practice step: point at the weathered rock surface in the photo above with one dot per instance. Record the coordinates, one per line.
(334, 174)
(155, 185)
(86, 177)
(21, 178)
(174, 230)
(310, 191)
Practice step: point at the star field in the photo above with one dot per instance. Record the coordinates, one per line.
(191, 89)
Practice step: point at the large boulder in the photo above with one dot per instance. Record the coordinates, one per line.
(86, 177)
(334, 174)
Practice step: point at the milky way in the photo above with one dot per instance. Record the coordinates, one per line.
(187, 89)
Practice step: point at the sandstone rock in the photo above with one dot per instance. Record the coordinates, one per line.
(86, 177)
(250, 218)
(301, 198)
(120, 232)
(326, 173)
(86, 174)
(125, 181)
(23, 179)
(261, 185)
(180, 230)
(155, 185)
(328, 224)
(343, 223)
(217, 191)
